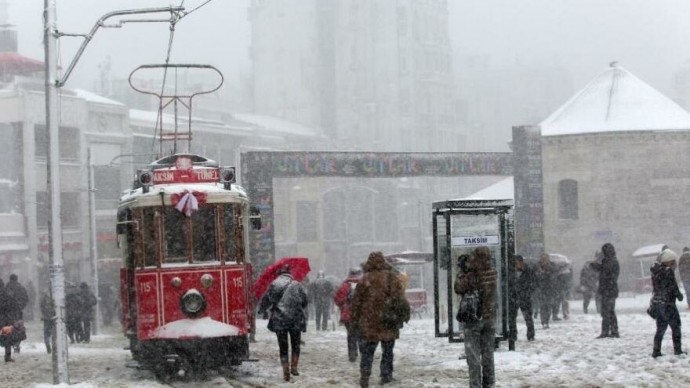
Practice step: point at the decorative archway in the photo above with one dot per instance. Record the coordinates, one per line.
(259, 168)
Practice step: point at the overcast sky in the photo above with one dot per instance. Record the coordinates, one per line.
(647, 37)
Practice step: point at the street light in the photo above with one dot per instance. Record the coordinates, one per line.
(53, 83)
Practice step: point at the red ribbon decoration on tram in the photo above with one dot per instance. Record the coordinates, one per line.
(188, 202)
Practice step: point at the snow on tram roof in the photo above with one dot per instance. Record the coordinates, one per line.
(215, 190)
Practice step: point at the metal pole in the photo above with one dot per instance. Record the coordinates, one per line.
(93, 242)
(57, 270)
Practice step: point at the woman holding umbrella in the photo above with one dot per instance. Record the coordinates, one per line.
(286, 302)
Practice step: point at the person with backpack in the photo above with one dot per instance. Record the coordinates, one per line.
(480, 334)
(286, 302)
(343, 299)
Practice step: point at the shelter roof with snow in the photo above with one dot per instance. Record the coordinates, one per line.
(616, 101)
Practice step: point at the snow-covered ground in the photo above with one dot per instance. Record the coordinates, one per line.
(566, 355)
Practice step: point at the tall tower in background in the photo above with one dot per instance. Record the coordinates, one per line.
(8, 36)
(369, 75)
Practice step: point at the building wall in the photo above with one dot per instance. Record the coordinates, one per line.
(633, 190)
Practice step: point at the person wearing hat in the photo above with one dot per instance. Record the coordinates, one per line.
(684, 269)
(665, 292)
(343, 299)
(286, 303)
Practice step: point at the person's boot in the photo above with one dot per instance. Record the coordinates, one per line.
(293, 365)
(364, 382)
(286, 370)
(48, 348)
(677, 349)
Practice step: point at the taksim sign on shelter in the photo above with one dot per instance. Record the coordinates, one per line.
(469, 241)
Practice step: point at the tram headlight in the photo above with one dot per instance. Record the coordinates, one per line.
(207, 280)
(193, 303)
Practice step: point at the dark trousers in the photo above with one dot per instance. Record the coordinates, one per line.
(609, 322)
(322, 310)
(352, 341)
(479, 350)
(367, 349)
(667, 315)
(586, 297)
(294, 341)
(526, 307)
(86, 329)
(74, 330)
(545, 307)
(48, 326)
(8, 352)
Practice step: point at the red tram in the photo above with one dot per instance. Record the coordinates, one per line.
(185, 280)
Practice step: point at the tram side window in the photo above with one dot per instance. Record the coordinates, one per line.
(204, 233)
(175, 235)
(149, 237)
(232, 222)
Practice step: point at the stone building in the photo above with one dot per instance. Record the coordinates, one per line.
(614, 169)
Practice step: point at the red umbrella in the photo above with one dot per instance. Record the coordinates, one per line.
(299, 268)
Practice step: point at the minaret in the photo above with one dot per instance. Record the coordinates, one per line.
(8, 36)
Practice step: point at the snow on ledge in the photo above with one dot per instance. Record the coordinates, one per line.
(195, 328)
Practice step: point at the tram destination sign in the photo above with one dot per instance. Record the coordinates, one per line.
(196, 175)
(474, 241)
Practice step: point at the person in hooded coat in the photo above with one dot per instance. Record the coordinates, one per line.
(665, 293)
(379, 283)
(88, 301)
(343, 299)
(523, 285)
(608, 269)
(286, 302)
(480, 336)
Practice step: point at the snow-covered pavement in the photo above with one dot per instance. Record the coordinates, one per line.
(566, 355)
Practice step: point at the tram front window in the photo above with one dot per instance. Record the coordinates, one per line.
(234, 233)
(175, 236)
(204, 233)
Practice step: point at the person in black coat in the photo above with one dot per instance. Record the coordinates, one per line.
(73, 309)
(609, 269)
(17, 298)
(589, 284)
(88, 301)
(665, 293)
(523, 285)
(286, 303)
(546, 280)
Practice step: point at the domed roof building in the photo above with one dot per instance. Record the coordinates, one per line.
(614, 168)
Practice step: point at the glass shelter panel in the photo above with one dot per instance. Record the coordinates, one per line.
(442, 253)
(469, 231)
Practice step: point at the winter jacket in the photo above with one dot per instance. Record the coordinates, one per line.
(286, 302)
(88, 301)
(589, 279)
(609, 270)
(343, 298)
(370, 297)
(684, 266)
(665, 289)
(47, 307)
(16, 300)
(546, 280)
(73, 304)
(321, 291)
(524, 284)
(484, 281)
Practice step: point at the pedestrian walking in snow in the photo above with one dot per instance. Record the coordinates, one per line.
(665, 293)
(546, 278)
(321, 293)
(48, 316)
(286, 302)
(523, 285)
(88, 301)
(608, 269)
(589, 284)
(343, 299)
(480, 335)
(73, 309)
(378, 285)
(684, 269)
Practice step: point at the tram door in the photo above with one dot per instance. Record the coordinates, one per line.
(460, 226)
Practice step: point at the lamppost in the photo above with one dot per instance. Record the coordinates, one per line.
(53, 83)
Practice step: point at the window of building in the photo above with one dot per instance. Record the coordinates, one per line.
(70, 210)
(306, 221)
(567, 199)
(69, 142)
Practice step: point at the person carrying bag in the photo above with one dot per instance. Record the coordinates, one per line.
(478, 311)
